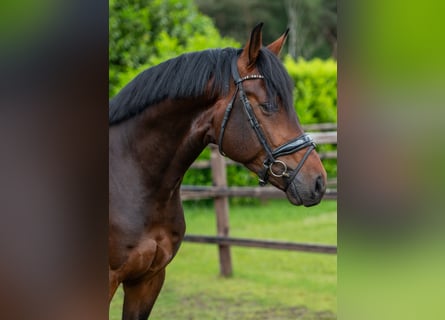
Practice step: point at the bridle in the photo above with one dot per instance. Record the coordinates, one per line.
(276, 168)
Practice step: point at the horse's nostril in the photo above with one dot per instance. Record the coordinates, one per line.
(319, 185)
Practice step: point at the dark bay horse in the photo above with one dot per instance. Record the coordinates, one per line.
(162, 120)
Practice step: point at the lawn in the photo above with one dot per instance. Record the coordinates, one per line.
(267, 284)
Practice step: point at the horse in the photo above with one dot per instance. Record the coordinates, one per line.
(238, 99)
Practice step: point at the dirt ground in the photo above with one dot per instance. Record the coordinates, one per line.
(198, 308)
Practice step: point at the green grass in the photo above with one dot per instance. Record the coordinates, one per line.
(267, 284)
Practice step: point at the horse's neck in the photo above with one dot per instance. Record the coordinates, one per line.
(164, 140)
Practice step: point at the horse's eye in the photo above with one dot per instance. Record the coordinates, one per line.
(266, 108)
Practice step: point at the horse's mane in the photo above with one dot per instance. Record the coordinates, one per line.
(188, 75)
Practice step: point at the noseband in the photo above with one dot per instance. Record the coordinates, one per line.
(276, 168)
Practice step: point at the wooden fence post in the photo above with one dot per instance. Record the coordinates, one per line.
(219, 177)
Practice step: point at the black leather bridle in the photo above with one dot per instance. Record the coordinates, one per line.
(276, 168)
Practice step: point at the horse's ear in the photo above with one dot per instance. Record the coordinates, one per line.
(252, 47)
(277, 45)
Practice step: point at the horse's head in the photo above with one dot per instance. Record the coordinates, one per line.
(260, 128)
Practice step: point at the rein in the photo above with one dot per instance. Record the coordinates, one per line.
(276, 168)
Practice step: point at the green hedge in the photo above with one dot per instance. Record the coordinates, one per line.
(315, 94)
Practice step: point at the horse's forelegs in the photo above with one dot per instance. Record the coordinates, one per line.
(140, 296)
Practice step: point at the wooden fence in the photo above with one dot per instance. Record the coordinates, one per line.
(220, 192)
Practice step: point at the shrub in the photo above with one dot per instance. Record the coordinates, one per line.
(315, 94)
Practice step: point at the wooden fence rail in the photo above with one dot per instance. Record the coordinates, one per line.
(206, 192)
(326, 134)
(265, 244)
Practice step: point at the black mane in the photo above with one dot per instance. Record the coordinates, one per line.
(188, 75)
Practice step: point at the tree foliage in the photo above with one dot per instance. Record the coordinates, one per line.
(236, 18)
(312, 23)
(145, 32)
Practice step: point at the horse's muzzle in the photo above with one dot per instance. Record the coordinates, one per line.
(306, 192)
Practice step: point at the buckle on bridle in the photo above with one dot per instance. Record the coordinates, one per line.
(279, 172)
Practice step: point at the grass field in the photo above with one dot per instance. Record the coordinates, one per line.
(267, 284)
